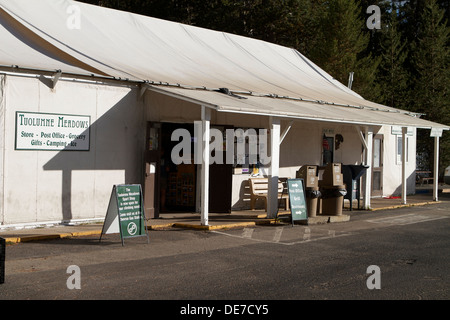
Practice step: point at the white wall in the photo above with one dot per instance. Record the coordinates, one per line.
(392, 169)
(44, 186)
(301, 146)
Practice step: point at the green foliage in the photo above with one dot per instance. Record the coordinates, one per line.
(392, 74)
(430, 60)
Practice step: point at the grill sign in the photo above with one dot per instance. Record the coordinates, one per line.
(48, 131)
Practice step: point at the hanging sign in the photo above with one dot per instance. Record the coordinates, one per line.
(436, 132)
(397, 130)
(125, 213)
(297, 200)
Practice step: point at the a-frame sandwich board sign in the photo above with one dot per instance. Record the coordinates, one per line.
(297, 200)
(125, 214)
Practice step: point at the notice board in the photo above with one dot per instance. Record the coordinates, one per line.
(297, 200)
(125, 213)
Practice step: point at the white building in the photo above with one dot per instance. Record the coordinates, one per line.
(89, 98)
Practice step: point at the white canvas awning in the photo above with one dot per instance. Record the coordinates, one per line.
(83, 39)
(297, 109)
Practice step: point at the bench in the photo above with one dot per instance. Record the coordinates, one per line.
(259, 188)
(423, 176)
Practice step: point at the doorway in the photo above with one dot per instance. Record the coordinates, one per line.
(171, 187)
(377, 166)
(152, 163)
(220, 180)
(178, 182)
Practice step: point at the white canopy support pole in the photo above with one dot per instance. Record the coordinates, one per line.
(404, 133)
(285, 131)
(368, 160)
(436, 168)
(272, 194)
(206, 118)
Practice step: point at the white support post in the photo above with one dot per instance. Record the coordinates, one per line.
(272, 196)
(404, 184)
(436, 168)
(206, 118)
(368, 160)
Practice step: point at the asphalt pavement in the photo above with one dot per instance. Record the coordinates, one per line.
(255, 264)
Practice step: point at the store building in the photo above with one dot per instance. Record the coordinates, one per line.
(90, 98)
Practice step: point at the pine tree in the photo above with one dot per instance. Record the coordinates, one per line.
(431, 72)
(341, 46)
(392, 74)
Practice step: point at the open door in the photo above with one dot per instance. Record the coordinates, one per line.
(220, 181)
(152, 168)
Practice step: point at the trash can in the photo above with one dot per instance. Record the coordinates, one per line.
(309, 174)
(312, 197)
(447, 175)
(352, 175)
(333, 199)
(333, 190)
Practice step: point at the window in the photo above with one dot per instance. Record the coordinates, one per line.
(327, 149)
(399, 145)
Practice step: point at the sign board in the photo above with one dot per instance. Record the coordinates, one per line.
(436, 132)
(397, 130)
(297, 200)
(125, 213)
(50, 131)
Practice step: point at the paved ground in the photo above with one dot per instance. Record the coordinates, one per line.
(237, 219)
(262, 263)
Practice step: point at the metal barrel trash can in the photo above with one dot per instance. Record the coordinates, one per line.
(2, 259)
(352, 174)
(447, 175)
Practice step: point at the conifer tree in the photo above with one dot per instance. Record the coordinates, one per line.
(392, 74)
(431, 74)
(341, 47)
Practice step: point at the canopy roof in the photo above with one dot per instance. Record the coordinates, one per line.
(184, 61)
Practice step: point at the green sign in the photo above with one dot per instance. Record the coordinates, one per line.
(125, 213)
(297, 200)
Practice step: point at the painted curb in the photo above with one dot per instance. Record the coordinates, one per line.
(51, 236)
(405, 205)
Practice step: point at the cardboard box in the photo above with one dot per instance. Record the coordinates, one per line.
(309, 174)
(332, 175)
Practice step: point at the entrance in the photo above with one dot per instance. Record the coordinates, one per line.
(178, 182)
(377, 166)
(172, 188)
(152, 163)
(220, 181)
